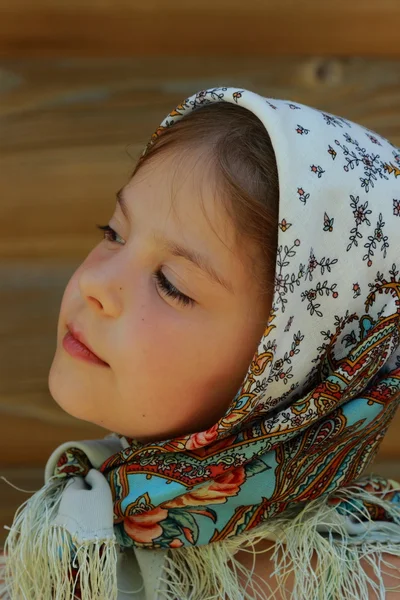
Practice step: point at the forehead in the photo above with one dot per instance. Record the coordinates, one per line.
(182, 187)
(179, 196)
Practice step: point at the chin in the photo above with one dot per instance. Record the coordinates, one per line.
(68, 392)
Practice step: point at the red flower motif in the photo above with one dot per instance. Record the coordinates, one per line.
(145, 527)
(62, 460)
(175, 543)
(213, 492)
(216, 446)
(70, 469)
(203, 438)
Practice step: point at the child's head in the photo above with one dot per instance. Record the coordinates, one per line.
(208, 184)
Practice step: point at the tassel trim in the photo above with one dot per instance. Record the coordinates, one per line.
(211, 572)
(44, 562)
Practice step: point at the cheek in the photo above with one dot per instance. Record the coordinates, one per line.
(155, 345)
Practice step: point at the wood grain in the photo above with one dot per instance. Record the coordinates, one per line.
(70, 129)
(69, 132)
(231, 28)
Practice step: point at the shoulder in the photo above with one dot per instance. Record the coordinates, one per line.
(264, 568)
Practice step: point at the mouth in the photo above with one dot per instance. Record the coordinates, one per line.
(75, 343)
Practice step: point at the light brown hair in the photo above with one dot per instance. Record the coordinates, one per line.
(240, 151)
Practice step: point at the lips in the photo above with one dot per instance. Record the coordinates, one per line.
(78, 334)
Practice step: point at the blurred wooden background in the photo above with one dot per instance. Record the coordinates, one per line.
(82, 86)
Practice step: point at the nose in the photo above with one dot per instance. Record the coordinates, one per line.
(101, 290)
(96, 302)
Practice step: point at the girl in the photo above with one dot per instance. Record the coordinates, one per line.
(239, 334)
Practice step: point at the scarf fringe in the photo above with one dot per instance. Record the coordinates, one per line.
(35, 568)
(43, 562)
(203, 572)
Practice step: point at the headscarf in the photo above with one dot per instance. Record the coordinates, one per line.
(324, 382)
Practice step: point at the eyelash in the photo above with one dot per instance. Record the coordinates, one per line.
(158, 276)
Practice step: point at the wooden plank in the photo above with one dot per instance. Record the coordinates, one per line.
(73, 129)
(277, 27)
(29, 440)
(69, 131)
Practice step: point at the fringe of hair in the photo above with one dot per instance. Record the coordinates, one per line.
(42, 561)
(203, 572)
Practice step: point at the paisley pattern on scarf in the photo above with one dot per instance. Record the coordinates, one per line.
(324, 382)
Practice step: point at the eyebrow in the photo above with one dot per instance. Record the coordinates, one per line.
(198, 259)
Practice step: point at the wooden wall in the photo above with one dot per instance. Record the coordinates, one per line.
(232, 27)
(82, 86)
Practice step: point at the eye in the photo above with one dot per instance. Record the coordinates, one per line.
(161, 281)
(171, 290)
(109, 233)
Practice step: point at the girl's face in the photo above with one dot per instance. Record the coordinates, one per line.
(174, 367)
